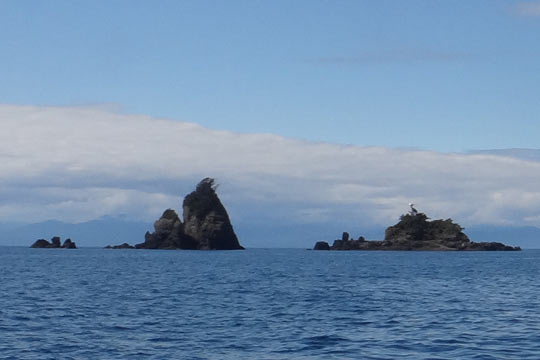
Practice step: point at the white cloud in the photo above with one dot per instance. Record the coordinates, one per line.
(75, 164)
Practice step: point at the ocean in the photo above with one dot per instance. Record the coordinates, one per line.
(268, 304)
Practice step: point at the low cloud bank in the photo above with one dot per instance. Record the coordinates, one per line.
(77, 164)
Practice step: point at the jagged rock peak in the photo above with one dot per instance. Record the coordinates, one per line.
(206, 220)
(167, 221)
(206, 224)
(203, 200)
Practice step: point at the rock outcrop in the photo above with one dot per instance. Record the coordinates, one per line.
(168, 234)
(55, 243)
(206, 220)
(414, 231)
(322, 245)
(121, 246)
(206, 224)
(68, 244)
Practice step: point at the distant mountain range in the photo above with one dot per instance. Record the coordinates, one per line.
(112, 230)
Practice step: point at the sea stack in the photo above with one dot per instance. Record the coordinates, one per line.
(205, 226)
(207, 221)
(55, 243)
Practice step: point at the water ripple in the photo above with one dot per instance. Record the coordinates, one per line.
(268, 304)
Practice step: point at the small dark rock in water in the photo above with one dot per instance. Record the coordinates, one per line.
(122, 246)
(42, 243)
(55, 243)
(68, 244)
(321, 245)
(415, 232)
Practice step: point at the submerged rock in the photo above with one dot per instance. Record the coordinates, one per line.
(414, 231)
(206, 224)
(55, 243)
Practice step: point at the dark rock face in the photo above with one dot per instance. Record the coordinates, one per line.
(168, 234)
(321, 245)
(415, 232)
(55, 243)
(68, 244)
(42, 243)
(206, 224)
(207, 221)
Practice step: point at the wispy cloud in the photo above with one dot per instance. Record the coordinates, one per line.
(76, 164)
(531, 8)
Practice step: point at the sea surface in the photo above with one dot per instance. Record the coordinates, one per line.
(268, 304)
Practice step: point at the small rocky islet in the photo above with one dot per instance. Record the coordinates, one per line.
(121, 246)
(55, 243)
(206, 225)
(415, 231)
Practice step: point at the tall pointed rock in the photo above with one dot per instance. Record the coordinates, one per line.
(206, 220)
(206, 224)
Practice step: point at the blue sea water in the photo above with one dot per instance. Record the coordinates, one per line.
(268, 304)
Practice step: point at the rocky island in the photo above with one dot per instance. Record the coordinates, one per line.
(415, 231)
(206, 225)
(55, 243)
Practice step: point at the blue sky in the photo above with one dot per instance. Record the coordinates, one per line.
(438, 75)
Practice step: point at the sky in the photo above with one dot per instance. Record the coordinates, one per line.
(306, 112)
(439, 75)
